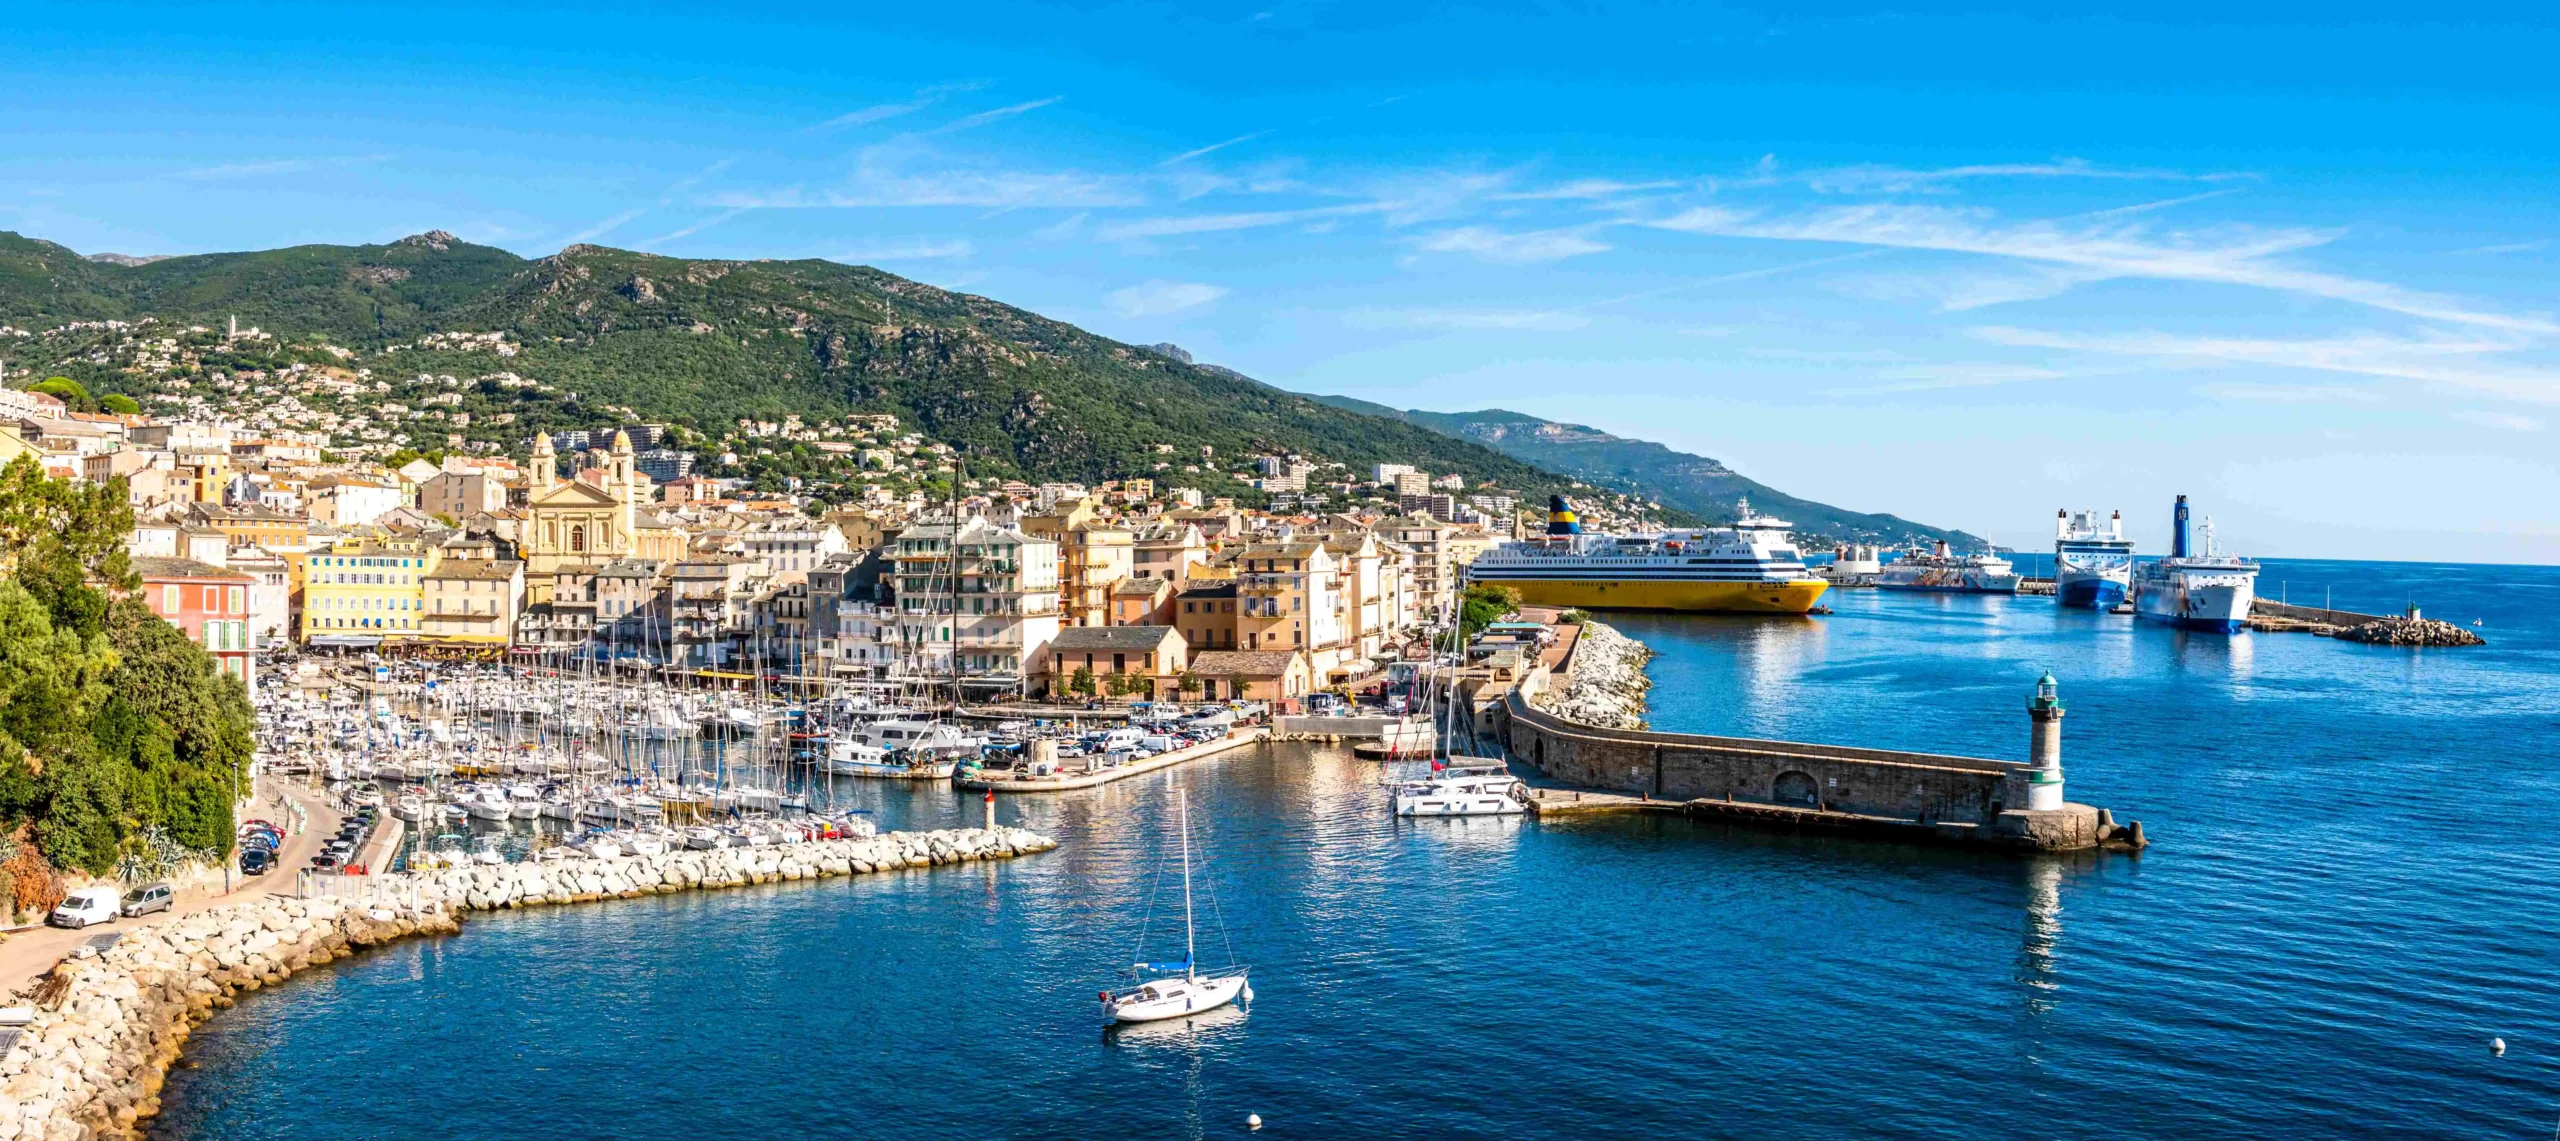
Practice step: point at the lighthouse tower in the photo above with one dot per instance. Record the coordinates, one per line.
(2044, 747)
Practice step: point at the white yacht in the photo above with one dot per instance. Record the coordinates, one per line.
(1466, 786)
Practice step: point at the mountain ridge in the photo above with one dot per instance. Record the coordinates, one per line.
(1692, 484)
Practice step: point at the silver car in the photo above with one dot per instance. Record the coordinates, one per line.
(145, 900)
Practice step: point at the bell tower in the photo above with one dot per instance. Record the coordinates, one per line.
(546, 464)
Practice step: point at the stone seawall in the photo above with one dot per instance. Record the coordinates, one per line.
(1604, 682)
(1920, 796)
(108, 1026)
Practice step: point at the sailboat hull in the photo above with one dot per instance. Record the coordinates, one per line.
(1177, 998)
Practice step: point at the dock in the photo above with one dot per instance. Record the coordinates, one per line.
(1006, 781)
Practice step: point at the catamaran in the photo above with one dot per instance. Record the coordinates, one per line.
(1192, 991)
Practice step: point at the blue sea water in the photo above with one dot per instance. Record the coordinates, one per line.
(2353, 888)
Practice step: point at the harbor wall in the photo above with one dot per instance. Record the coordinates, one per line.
(107, 1026)
(1923, 796)
(2269, 608)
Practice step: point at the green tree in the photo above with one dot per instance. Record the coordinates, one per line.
(69, 391)
(1081, 681)
(1483, 605)
(120, 404)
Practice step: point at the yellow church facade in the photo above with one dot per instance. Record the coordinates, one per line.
(577, 523)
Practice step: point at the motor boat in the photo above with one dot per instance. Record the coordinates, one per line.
(488, 803)
(703, 837)
(523, 803)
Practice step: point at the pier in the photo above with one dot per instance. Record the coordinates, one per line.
(1924, 797)
(1007, 780)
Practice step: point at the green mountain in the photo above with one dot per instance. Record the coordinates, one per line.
(1693, 485)
(704, 343)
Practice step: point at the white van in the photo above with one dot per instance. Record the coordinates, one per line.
(84, 907)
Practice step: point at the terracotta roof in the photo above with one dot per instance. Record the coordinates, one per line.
(1243, 663)
(163, 566)
(1109, 639)
(476, 569)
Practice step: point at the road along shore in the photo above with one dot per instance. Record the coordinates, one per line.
(103, 1028)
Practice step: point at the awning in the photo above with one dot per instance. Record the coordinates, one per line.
(345, 641)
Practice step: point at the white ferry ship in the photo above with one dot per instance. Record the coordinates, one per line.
(1750, 566)
(2208, 591)
(2092, 563)
(1937, 570)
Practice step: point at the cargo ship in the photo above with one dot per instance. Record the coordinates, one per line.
(1749, 567)
(1934, 569)
(2092, 564)
(2199, 591)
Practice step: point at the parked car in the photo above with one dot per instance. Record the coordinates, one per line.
(149, 898)
(324, 860)
(84, 907)
(256, 861)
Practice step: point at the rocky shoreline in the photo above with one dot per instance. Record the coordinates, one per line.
(107, 1026)
(1604, 684)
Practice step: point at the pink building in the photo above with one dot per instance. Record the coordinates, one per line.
(209, 603)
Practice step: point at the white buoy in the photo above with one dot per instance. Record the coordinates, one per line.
(2498, 1046)
(1253, 1121)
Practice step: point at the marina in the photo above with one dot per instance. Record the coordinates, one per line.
(1366, 929)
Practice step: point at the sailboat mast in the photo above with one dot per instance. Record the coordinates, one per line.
(1190, 953)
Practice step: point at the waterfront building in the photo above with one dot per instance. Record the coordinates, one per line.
(270, 592)
(1147, 661)
(1252, 675)
(1205, 612)
(210, 604)
(361, 593)
(709, 608)
(1287, 599)
(473, 602)
(977, 601)
(1142, 602)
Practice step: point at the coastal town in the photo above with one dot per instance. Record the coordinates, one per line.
(267, 523)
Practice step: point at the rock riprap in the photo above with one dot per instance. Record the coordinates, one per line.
(2411, 632)
(108, 1026)
(1604, 683)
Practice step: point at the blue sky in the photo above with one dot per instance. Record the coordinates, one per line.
(1965, 263)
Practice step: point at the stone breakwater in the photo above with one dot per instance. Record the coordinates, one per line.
(1604, 684)
(107, 1027)
(2411, 632)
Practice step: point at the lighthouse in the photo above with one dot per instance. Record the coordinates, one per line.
(2044, 747)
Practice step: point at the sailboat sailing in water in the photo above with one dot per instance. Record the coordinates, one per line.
(1184, 989)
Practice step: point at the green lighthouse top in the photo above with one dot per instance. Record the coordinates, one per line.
(2048, 694)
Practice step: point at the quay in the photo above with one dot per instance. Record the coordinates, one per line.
(1007, 780)
(1922, 797)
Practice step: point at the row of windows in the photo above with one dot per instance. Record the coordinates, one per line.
(365, 623)
(171, 599)
(226, 635)
(367, 579)
(328, 561)
(332, 603)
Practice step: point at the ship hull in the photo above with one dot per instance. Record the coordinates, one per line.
(1660, 594)
(2216, 602)
(2091, 593)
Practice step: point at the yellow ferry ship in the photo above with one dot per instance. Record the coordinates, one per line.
(1750, 567)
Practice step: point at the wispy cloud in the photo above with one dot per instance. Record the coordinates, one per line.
(923, 98)
(2456, 362)
(1173, 226)
(277, 166)
(2293, 393)
(983, 118)
(2509, 248)
(1471, 320)
(918, 249)
(1892, 179)
(1212, 148)
(2506, 421)
(1585, 188)
(2235, 256)
(1953, 374)
(607, 226)
(880, 179)
(1158, 298)
(695, 228)
(1488, 244)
